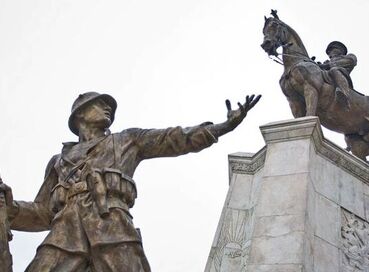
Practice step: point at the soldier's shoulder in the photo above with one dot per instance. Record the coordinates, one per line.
(51, 164)
(53, 159)
(130, 132)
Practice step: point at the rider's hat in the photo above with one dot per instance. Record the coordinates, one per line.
(338, 45)
(85, 99)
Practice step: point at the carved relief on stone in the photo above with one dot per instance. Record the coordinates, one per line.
(232, 251)
(341, 159)
(355, 243)
(243, 167)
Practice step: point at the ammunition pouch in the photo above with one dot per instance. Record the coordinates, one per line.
(121, 190)
(120, 185)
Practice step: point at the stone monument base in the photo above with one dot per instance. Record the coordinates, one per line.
(299, 204)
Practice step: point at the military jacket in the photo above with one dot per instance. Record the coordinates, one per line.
(65, 205)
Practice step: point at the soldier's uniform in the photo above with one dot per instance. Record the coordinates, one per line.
(339, 68)
(344, 64)
(80, 239)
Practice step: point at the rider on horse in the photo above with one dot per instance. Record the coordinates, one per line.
(339, 66)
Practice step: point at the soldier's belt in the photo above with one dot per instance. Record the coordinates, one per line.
(113, 202)
(117, 184)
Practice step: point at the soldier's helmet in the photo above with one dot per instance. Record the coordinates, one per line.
(338, 45)
(84, 100)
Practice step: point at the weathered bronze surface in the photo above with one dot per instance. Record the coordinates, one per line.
(5, 234)
(88, 189)
(321, 89)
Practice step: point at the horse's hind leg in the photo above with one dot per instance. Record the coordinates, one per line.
(357, 145)
(311, 99)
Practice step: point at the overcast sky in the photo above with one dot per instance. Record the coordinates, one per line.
(166, 63)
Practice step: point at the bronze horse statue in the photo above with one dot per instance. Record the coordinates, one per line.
(308, 91)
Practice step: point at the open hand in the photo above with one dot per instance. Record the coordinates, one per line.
(235, 117)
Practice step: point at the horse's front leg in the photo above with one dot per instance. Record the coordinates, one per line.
(311, 99)
(296, 101)
(297, 106)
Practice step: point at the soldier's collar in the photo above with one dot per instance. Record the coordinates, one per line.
(67, 146)
(92, 143)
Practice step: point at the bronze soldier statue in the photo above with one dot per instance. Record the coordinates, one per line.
(88, 190)
(339, 66)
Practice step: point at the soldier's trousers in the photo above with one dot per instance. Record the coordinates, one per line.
(127, 257)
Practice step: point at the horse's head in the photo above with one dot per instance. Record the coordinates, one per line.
(274, 34)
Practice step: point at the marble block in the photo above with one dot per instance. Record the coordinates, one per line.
(299, 204)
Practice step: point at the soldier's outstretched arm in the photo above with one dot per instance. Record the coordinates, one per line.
(234, 117)
(175, 141)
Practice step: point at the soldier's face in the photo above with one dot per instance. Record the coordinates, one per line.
(97, 114)
(335, 52)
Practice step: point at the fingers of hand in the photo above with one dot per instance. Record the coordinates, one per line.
(253, 101)
(228, 105)
(247, 103)
(241, 107)
(256, 100)
(247, 99)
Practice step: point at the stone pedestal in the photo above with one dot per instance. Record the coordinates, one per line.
(300, 204)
